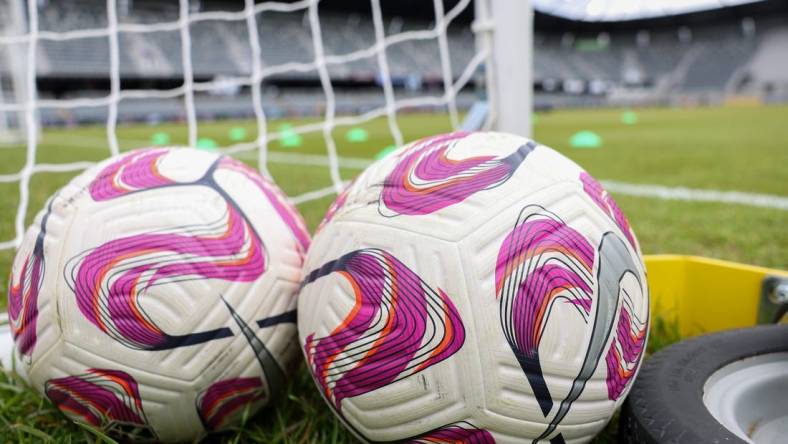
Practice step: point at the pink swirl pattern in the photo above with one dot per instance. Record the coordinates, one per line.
(286, 210)
(623, 356)
(398, 327)
(109, 280)
(135, 171)
(426, 180)
(23, 303)
(541, 261)
(457, 433)
(23, 292)
(609, 206)
(101, 398)
(223, 399)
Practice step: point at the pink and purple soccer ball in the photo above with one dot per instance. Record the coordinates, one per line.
(154, 295)
(476, 288)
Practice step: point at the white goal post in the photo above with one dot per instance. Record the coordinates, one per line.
(503, 30)
(13, 75)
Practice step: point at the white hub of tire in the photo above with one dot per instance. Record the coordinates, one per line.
(750, 398)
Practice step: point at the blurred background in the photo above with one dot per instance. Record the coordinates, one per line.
(679, 107)
(585, 54)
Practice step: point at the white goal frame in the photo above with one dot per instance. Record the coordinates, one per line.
(14, 75)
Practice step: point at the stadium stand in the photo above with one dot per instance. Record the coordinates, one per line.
(733, 54)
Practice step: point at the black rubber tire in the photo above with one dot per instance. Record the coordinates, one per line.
(666, 401)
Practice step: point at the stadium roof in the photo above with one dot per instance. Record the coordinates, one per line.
(617, 10)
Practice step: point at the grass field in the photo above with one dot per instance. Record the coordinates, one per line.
(729, 149)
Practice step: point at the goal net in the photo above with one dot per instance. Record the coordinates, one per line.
(235, 40)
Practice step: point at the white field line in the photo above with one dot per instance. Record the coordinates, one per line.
(614, 186)
(696, 195)
(316, 194)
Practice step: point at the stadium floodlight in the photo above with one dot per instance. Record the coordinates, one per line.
(612, 10)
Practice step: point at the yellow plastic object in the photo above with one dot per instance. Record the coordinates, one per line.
(705, 295)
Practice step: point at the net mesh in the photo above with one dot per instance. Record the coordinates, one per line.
(250, 14)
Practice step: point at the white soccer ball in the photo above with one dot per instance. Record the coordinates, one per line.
(154, 296)
(474, 287)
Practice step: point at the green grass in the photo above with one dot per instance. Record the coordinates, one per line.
(742, 149)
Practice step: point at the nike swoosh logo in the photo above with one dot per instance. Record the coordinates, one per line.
(615, 261)
(274, 375)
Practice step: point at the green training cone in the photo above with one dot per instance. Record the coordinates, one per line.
(356, 135)
(160, 139)
(629, 118)
(205, 143)
(585, 139)
(385, 152)
(237, 133)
